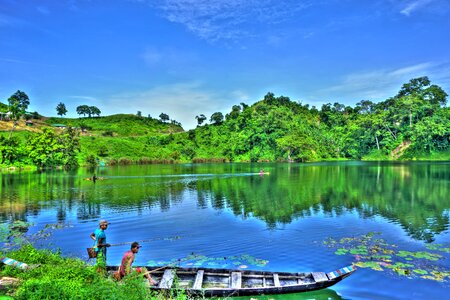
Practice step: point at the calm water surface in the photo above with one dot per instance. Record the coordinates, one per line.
(230, 215)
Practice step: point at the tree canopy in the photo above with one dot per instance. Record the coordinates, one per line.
(61, 109)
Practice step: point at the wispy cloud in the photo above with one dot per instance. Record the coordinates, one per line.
(23, 62)
(168, 56)
(43, 10)
(214, 20)
(84, 98)
(381, 84)
(152, 56)
(414, 5)
(8, 21)
(181, 101)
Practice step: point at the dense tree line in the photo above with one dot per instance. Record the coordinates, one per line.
(413, 123)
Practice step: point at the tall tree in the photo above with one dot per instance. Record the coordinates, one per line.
(18, 103)
(421, 88)
(61, 109)
(71, 146)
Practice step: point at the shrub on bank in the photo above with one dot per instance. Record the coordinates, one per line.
(58, 277)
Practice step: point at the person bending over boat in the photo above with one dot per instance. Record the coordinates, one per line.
(127, 260)
(100, 245)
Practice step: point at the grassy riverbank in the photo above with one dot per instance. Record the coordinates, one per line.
(58, 277)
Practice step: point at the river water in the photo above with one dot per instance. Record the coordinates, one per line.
(231, 216)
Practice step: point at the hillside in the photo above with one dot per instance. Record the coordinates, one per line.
(118, 125)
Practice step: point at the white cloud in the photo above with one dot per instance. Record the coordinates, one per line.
(228, 20)
(8, 21)
(43, 10)
(378, 85)
(169, 57)
(84, 98)
(413, 6)
(152, 56)
(182, 102)
(435, 7)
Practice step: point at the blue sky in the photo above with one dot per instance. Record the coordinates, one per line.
(191, 57)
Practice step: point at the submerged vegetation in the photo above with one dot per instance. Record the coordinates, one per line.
(414, 124)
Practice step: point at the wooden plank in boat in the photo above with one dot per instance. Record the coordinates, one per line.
(198, 280)
(276, 280)
(236, 280)
(246, 275)
(217, 274)
(167, 279)
(271, 275)
(319, 276)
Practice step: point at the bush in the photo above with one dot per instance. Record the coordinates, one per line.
(91, 161)
(108, 133)
(69, 278)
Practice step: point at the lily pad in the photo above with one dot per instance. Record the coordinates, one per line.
(369, 264)
(419, 254)
(385, 258)
(341, 251)
(358, 251)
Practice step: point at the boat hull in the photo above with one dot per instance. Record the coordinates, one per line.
(208, 282)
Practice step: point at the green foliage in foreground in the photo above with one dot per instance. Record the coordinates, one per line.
(57, 277)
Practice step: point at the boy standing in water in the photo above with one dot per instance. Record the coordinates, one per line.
(100, 245)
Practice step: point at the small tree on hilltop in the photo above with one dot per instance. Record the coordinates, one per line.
(216, 118)
(200, 119)
(61, 109)
(164, 117)
(94, 110)
(83, 110)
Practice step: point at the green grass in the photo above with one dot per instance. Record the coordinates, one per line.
(58, 277)
(118, 125)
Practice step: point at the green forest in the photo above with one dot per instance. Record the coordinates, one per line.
(411, 125)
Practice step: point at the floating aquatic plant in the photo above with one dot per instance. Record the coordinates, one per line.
(341, 251)
(438, 247)
(14, 235)
(420, 271)
(372, 252)
(420, 254)
(369, 264)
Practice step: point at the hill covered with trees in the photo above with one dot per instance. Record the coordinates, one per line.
(414, 124)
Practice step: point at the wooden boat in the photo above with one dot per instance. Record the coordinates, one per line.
(206, 282)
